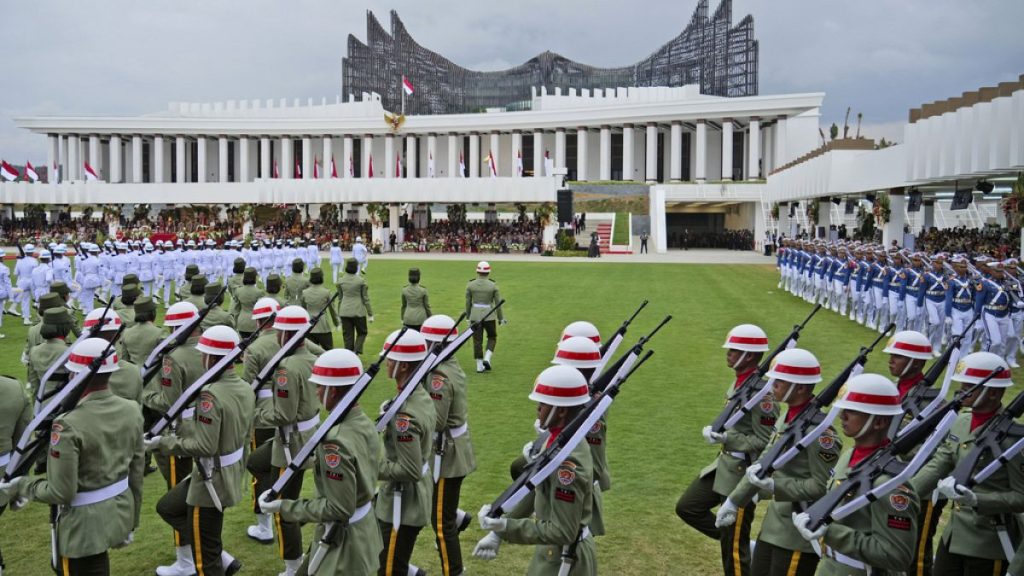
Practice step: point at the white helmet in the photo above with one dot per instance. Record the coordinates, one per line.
(264, 307)
(748, 338)
(482, 267)
(578, 352)
(582, 328)
(180, 313)
(291, 319)
(797, 366)
(872, 394)
(218, 340)
(560, 386)
(435, 328)
(975, 367)
(30, 248)
(338, 367)
(44, 254)
(411, 347)
(110, 319)
(86, 351)
(909, 343)
(359, 238)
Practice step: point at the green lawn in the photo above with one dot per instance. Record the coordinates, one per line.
(655, 447)
(620, 234)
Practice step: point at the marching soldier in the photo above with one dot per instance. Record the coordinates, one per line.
(191, 271)
(960, 297)
(879, 538)
(295, 284)
(55, 329)
(197, 291)
(142, 337)
(482, 295)
(15, 414)
(561, 505)
(23, 270)
(293, 410)
(313, 299)
(415, 301)
(217, 316)
(273, 285)
(780, 551)
(33, 337)
(978, 537)
(403, 502)
(214, 436)
(94, 470)
(336, 260)
(126, 381)
(453, 450)
(245, 298)
(354, 307)
(745, 345)
(125, 304)
(935, 288)
(235, 280)
(994, 301)
(345, 473)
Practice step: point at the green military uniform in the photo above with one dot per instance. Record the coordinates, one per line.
(241, 309)
(215, 438)
(561, 508)
(294, 411)
(95, 446)
(293, 287)
(408, 447)
(743, 444)
(800, 482)
(597, 438)
(345, 473)
(64, 292)
(482, 295)
(353, 308)
(140, 339)
(274, 289)
(971, 540)
(197, 291)
(15, 414)
(415, 305)
(314, 299)
(235, 280)
(55, 327)
(127, 381)
(184, 289)
(447, 388)
(255, 357)
(880, 535)
(32, 338)
(217, 316)
(124, 305)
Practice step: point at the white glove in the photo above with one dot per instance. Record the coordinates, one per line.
(127, 541)
(536, 423)
(384, 406)
(801, 521)
(957, 492)
(152, 444)
(268, 506)
(726, 514)
(713, 437)
(767, 483)
(370, 318)
(488, 523)
(949, 321)
(19, 503)
(11, 485)
(487, 547)
(528, 451)
(503, 321)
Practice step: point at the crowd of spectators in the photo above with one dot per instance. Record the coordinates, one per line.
(991, 240)
(730, 239)
(467, 236)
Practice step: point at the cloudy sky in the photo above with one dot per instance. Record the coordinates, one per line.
(125, 57)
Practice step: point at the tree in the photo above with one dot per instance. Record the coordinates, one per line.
(833, 131)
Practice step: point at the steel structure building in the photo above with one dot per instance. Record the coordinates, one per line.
(710, 52)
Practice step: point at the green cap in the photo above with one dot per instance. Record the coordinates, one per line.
(273, 284)
(249, 276)
(144, 304)
(197, 284)
(50, 300)
(351, 266)
(129, 292)
(130, 278)
(316, 276)
(297, 265)
(190, 271)
(60, 288)
(238, 266)
(57, 316)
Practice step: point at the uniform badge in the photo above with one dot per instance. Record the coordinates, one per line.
(826, 441)
(281, 378)
(960, 367)
(767, 405)
(332, 459)
(55, 431)
(437, 382)
(566, 473)
(168, 365)
(206, 402)
(402, 423)
(899, 502)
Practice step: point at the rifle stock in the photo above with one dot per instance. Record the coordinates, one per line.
(990, 441)
(150, 368)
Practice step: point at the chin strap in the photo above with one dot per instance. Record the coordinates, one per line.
(867, 426)
(739, 360)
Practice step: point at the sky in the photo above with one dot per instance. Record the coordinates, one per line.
(125, 57)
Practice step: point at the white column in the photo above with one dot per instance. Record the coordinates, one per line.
(137, 159)
(517, 152)
(652, 152)
(244, 155)
(74, 159)
(431, 153)
(560, 148)
(453, 156)
(780, 136)
(266, 164)
(307, 157)
(474, 155)
(94, 155)
(201, 168)
(115, 159)
(410, 157)
(701, 146)
(222, 158)
(495, 149)
(727, 149)
(582, 153)
(768, 164)
(52, 153)
(658, 222)
(627, 152)
(389, 156)
(538, 153)
(158, 159)
(65, 164)
(328, 154)
(287, 167)
(366, 147)
(893, 229)
(180, 174)
(754, 150)
(606, 153)
(676, 164)
(346, 152)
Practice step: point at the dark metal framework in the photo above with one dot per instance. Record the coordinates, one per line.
(711, 52)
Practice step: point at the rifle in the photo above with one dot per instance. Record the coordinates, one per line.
(989, 443)
(150, 367)
(609, 347)
(811, 423)
(749, 389)
(857, 490)
(264, 375)
(538, 471)
(93, 331)
(21, 251)
(600, 382)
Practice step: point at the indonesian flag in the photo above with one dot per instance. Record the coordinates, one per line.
(407, 86)
(54, 175)
(462, 166)
(492, 164)
(430, 166)
(369, 173)
(297, 173)
(90, 174)
(30, 172)
(398, 166)
(276, 173)
(7, 171)
(334, 168)
(316, 168)
(519, 164)
(549, 164)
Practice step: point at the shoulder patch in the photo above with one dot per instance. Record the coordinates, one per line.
(826, 441)
(899, 502)
(332, 458)
(55, 431)
(168, 365)
(566, 473)
(596, 428)
(437, 382)
(206, 402)
(281, 377)
(402, 423)
(767, 405)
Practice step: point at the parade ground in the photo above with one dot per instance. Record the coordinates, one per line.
(655, 446)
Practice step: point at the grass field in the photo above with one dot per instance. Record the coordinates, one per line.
(654, 448)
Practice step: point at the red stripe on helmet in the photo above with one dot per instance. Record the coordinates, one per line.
(86, 360)
(912, 347)
(747, 340)
(569, 355)
(797, 370)
(291, 320)
(220, 344)
(873, 399)
(408, 348)
(180, 316)
(980, 373)
(595, 339)
(561, 392)
(336, 372)
(437, 331)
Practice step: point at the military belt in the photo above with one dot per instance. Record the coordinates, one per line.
(458, 430)
(5, 459)
(265, 393)
(100, 495)
(361, 512)
(737, 455)
(846, 560)
(484, 305)
(225, 460)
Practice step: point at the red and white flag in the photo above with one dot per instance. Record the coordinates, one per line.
(54, 175)
(430, 165)
(407, 86)
(462, 166)
(351, 167)
(398, 166)
(90, 174)
(519, 164)
(369, 172)
(30, 172)
(334, 168)
(316, 168)
(7, 171)
(492, 164)
(297, 173)
(276, 173)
